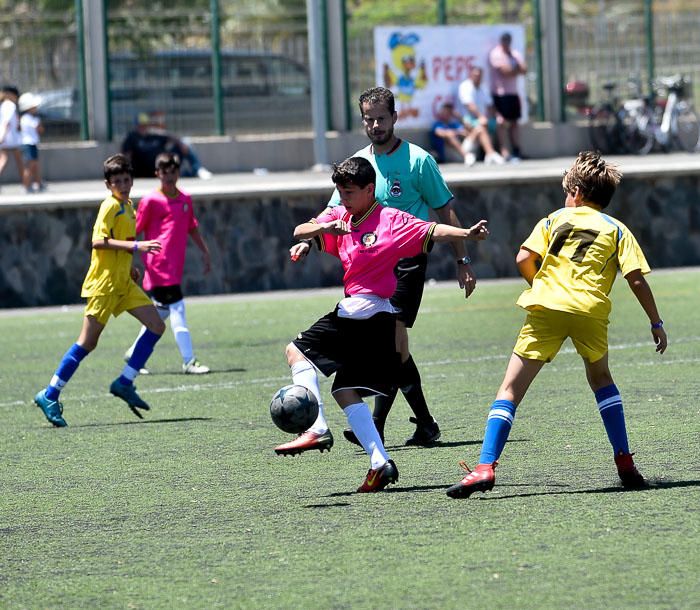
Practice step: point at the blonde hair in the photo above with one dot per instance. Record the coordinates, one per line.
(595, 178)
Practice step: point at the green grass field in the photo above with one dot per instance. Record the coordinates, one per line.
(192, 509)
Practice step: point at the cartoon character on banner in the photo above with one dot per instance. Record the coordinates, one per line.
(403, 81)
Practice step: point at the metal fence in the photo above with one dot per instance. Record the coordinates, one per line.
(168, 60)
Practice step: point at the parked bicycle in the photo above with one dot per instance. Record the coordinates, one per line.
(605, 124)
(669, 122)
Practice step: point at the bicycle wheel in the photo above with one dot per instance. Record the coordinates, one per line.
(687, 128)
(638, 131)
(603, 130)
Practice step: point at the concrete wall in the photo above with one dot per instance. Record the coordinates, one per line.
(279, 152)
(45, 247)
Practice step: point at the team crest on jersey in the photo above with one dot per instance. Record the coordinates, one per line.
(184, 208)
(395, 190)
(369, 239)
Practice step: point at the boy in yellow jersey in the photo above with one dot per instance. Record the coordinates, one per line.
(110, 287)
(570, 261)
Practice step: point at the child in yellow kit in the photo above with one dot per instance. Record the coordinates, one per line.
(571, 260)
(110, 287)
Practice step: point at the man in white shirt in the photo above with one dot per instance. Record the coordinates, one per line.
(478, 118)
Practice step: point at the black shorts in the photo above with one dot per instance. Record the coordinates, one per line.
(361, 353)
(410, 273)
(166, 295)
(508, 106)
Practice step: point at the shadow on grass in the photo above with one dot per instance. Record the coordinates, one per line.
(329, 505)
(181, 374)
(441, 445)
(140, 422)
(653, 485)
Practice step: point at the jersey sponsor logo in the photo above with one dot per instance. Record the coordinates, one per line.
(369, 239)
(395, 190)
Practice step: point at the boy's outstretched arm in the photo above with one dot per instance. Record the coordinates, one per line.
(445, 232)
(528, 263)
(640, 288)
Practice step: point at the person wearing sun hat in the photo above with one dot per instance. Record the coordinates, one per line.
(31, 130)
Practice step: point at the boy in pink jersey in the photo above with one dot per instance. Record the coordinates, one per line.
(356, 341)
(167, 215)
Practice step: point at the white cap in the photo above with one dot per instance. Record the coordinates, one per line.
(27, 101)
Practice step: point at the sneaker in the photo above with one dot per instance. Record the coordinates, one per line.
(53, 410)
(128, 394)
(629, 475)
(469, 159)
(204, 174)
(514, 160)
(193, 367)
(351, 438)
(481, 479)
(307, 441)
(426, 433)
(378, 479)
(494, 159)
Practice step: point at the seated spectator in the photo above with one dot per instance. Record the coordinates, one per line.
(149, 138)
(479, 118)
(448, 131)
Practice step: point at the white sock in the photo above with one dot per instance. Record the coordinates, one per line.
(362, 424)
(178, 322)
(163, 312)
(304, 373)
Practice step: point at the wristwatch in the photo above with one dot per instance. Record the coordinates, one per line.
(465, 260)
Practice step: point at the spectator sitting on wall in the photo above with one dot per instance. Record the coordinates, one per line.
(149, 138)
(479, 118)
(448, 133)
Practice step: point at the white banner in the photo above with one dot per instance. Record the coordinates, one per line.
(424, 65)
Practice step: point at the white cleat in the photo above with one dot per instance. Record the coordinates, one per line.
(193, 367)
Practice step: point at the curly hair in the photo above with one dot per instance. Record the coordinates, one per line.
(378, 95)
(595, 178)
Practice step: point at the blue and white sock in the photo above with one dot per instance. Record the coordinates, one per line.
(142, 352)
(498, 425)
(68, 365)
(610, 407)
(362, 424)
(304, 373)
(163, 312)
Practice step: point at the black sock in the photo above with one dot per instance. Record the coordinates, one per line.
(410, 384)
(382, 406)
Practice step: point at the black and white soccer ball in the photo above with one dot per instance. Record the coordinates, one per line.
(293, 409)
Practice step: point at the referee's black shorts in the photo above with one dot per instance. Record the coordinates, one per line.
(361, 353)
(410, 275)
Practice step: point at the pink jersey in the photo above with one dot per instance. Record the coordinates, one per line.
(502, 84)
(378, 240)
(169, 220)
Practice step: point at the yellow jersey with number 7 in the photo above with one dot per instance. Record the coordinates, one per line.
(581, 250)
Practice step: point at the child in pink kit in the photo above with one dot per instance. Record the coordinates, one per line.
(356, 341)
(168, 214)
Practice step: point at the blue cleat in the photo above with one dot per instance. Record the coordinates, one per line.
(53, 410)
(128, 394)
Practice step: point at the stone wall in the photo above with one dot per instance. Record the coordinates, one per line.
(45, 252)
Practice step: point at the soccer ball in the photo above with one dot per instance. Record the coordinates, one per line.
(293, 409)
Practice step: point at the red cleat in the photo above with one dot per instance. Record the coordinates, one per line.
(629, 475)
(482, 478)
(307, 441)
(378, 479)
